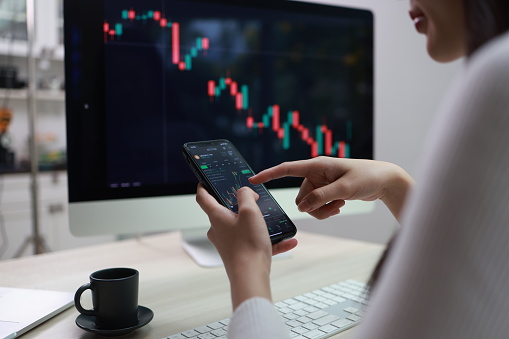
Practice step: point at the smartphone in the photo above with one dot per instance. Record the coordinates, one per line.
(221, 169)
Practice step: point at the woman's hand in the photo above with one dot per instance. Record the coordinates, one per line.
(328, 182)
(243, 243)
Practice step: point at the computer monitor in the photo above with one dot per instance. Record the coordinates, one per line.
(282, 80)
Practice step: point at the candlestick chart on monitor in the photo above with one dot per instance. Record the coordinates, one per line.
(281, 85)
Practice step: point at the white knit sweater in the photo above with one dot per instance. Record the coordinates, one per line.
(448, 274)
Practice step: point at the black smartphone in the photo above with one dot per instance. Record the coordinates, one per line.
(221, 169)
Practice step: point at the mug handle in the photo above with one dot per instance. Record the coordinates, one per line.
(77, 303)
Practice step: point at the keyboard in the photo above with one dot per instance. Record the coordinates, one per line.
(315, 315)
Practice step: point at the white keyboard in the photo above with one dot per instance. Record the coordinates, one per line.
(314, 315)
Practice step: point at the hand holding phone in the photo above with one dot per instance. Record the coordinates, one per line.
(223, 171)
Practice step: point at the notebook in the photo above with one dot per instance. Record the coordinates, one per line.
(23, 309)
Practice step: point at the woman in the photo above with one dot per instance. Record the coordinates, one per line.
(447, 272)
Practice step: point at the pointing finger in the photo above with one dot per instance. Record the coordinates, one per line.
(287, 169)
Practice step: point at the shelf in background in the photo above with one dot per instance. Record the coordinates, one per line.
(18, 48)
(42, 94)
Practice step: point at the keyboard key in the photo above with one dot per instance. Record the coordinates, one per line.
(310, 309)
(339, 299)
(290, 301)
(300, 330)
(291, 316)
(293, 323)
(218, 332)
(203, 329)
(354, 317)
(328, 328)
(310, 326)
(317, 314)
(215, 325)
(338, 292)
(297, 306)
(342, 323)
(312, 301)
(190, 333)
(328, 295)
(304, 319)
(285, 310)
(301, 313)
(314, 334)
(351, 310)
(325, 320)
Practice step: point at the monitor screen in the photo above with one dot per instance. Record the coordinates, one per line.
(282, 80)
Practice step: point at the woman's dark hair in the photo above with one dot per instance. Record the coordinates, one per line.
(484, 20)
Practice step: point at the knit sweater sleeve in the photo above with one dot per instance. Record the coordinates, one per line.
(257, 318)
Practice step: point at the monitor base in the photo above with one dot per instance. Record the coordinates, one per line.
(203, 252)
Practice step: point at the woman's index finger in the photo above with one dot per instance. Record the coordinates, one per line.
(285, 169)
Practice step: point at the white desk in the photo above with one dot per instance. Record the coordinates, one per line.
(182, 294)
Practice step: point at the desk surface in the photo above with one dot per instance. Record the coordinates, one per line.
(182, 294)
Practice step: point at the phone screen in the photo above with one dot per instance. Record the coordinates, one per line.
(224, 171)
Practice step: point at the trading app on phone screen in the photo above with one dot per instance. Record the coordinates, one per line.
(228, 172)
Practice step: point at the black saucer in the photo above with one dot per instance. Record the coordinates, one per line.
(87, 323)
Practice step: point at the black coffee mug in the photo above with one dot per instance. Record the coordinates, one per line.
(114, 298)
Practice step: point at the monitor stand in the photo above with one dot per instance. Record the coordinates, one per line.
(203, 252)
